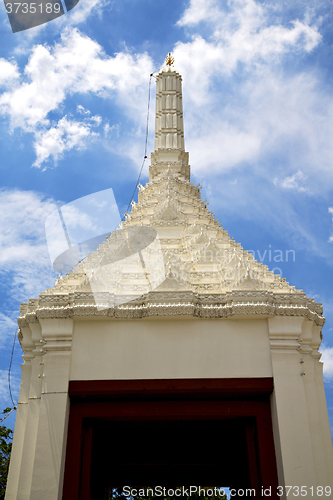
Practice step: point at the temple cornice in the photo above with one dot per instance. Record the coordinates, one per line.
(170, 303)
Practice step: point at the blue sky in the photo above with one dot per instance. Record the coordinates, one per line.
(258, 112)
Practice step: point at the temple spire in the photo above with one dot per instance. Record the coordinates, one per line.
(169, 128)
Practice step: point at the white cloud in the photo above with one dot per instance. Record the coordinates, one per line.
(96, 120)
(269, 115)
(75, 65)
(198, 11)
(24, 261)
(80, 109)
(293, 182)
(67, 135)
(108, 129)
(244, 33)
(327, 358)
(9, 72)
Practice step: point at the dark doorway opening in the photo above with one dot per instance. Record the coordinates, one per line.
(185, 452)
(189, 433)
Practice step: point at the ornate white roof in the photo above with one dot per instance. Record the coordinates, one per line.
(201, 271)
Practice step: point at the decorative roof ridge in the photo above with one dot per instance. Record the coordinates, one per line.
(184, 302)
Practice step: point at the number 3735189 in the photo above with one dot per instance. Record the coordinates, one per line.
(302, 491)
(32, 8)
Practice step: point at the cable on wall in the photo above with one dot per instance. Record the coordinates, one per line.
(9, 382)
(146, 144)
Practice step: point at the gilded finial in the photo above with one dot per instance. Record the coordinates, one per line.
(169, 59)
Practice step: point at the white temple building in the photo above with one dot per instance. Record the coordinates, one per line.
(170, 356)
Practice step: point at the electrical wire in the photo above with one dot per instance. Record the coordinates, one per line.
(9, 370)
(146, 146)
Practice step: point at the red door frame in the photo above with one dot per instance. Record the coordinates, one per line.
(170, 399)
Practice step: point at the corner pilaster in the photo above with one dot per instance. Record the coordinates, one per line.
(51, 439)
(294, 418)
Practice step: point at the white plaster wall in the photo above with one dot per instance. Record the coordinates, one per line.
(170, 348)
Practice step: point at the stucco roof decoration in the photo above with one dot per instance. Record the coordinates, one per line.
(169, 245)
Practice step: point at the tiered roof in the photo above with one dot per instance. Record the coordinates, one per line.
(171, 256)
